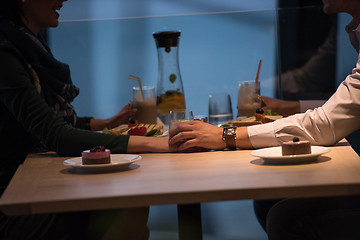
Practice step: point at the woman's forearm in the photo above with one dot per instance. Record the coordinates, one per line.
(148, 144)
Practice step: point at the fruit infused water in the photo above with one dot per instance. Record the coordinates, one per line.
(170, 90)
(169, 101)
(248, 99)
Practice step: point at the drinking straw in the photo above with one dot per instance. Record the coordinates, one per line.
(258, 72)
(132, 77)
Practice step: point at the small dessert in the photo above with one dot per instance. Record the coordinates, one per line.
(96, 155)
(295, 147)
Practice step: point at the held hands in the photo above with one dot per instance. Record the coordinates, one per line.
(195, 136)
(185, 137)
(121, 117)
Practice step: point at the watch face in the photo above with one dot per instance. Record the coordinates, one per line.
(229, 132)
(229, 136)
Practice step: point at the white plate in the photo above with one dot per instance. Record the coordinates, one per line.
(118, 161)
(273, 155)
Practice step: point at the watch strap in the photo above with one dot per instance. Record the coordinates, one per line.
(230, 143)
(229, 136)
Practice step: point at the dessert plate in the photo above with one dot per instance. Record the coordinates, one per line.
(118, 161)
(273, 155)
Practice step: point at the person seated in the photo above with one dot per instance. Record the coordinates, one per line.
(331, 218)
(36, 92)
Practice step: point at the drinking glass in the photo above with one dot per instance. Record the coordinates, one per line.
(145, 102)
(248, 98)
(180, 115)
(220, 108)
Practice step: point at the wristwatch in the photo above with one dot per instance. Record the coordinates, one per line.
(229, 136)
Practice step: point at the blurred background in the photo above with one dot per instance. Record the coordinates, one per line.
(305, 55)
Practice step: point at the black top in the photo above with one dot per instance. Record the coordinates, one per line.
(25, 116)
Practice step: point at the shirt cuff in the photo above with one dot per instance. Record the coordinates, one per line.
(262, 135)
(310, 104)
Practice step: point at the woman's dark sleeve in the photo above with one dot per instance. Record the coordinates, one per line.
(83, 123)
(23, 102)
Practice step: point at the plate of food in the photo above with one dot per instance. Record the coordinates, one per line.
(138, 129)
(292, 152)
(260, 117)
(99, 159)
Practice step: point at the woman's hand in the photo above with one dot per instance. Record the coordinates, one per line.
(121, 117)
(195, 136)
(282, 107)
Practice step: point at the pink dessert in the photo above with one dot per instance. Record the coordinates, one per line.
(96, 155)
(295, 147)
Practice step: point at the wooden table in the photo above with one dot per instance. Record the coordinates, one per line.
(43, 184)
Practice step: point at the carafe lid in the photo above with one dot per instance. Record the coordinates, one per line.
(167, 38)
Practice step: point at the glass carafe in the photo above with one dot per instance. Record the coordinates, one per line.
(170, 91)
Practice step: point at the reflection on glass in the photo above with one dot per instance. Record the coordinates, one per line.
(307, 53)
(115, 9)
(217, 51)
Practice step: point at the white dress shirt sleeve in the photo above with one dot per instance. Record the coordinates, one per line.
(324, 125)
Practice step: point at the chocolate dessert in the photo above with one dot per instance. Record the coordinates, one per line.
(295, 147)
(96, 155)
